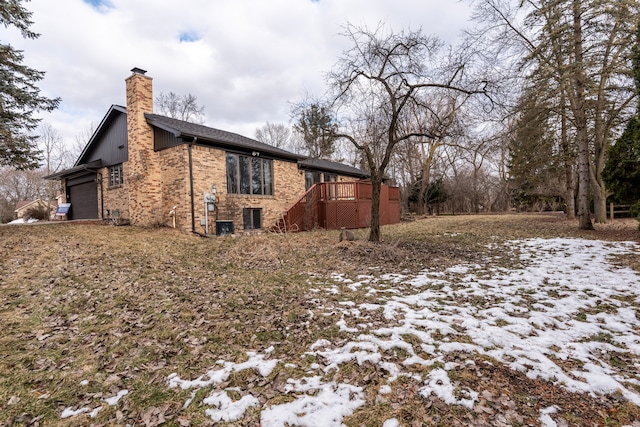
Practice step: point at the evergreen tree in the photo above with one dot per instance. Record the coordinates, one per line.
(622, 169)
(19, 96)
(434, 194)
(535, 160)
(315, 124)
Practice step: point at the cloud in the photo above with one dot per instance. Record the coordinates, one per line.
(245, 60)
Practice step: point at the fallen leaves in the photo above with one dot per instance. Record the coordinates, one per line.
(122, 307)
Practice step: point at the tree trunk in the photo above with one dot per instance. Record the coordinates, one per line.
(600, 207)
(569, 161)
(570, 192)
(582, 136)
(584, 187)
(376, 185)
(597, 185)
(424, 183)
(599, 191)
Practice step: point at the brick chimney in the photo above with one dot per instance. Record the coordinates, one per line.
(142, 170)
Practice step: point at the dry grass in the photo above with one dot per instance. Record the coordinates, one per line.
(123, 307)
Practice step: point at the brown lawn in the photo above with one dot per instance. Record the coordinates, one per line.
(124, 307)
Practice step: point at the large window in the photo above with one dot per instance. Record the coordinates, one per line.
(115, 175)
(311, 178)
(249, 175)
(314, 177)
(330, 177)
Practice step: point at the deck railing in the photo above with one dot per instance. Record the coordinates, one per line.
(333, 205)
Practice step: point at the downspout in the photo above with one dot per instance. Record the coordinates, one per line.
(101, 196)
(193, 204)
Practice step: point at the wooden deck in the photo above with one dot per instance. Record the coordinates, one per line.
(333, 205)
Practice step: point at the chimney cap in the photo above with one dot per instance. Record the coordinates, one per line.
(136, 70)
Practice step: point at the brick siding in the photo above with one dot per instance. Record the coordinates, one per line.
(112, 198)
(157, 183)
(142, 171)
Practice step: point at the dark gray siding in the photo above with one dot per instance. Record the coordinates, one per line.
(164, 139)
(111, 144)
(81, 178)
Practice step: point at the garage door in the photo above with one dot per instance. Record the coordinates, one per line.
(84, 201)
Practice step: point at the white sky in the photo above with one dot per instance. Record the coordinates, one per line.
(245, 60)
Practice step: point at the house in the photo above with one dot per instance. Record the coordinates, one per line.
(25, 206)
(149, 169)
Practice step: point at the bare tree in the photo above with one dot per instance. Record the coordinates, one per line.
(80, 143)
(376, 85)
(19, 185)
(55, 154)
(442, 120)
(182, 107)
(277, 135)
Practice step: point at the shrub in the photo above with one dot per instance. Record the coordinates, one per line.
(634, 210)
(38, 212)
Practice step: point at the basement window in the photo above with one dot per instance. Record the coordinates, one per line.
(115, 175)
(252, 218)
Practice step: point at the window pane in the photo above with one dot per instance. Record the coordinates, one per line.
(267, 177)
(311, 178)
(257, 218)
(232, 173)
(308, 180)
(256, 176)
(115, 175)
(252, 218)
(246, 218)
(245, 175)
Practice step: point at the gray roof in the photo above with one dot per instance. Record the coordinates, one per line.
(329, 166)
(211, 136)
(180, 128)
(91, 166)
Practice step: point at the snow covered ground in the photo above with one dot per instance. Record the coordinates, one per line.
(22, 221)
(570, 303)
